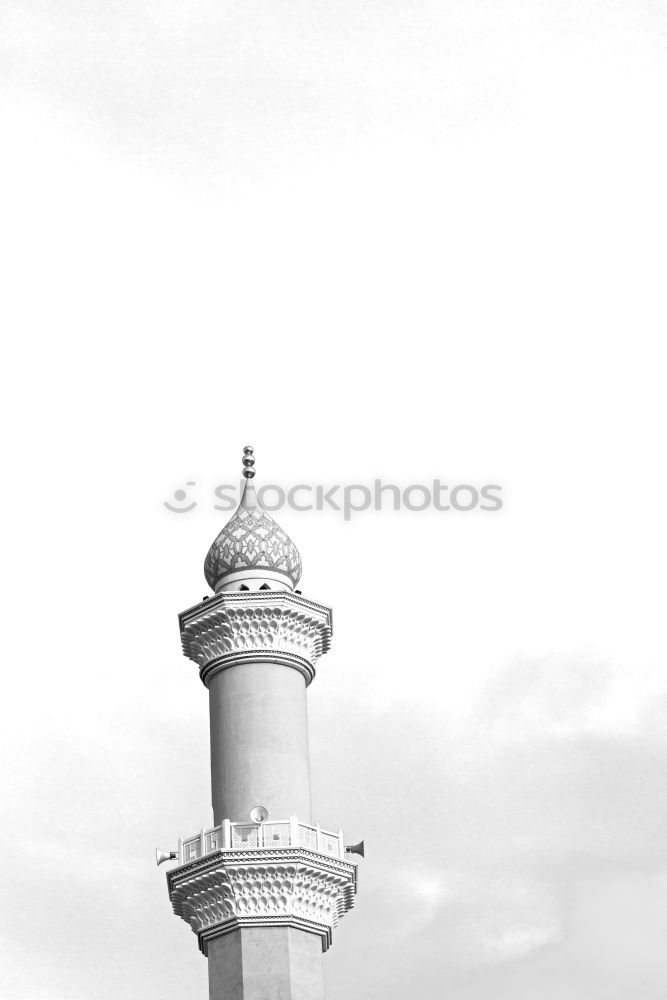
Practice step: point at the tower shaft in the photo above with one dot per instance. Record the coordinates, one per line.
(267, 963)
(259, 742)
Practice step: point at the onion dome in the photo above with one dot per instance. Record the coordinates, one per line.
(252, 552)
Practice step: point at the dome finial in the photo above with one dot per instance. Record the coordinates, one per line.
(252, 552)
(248, 462)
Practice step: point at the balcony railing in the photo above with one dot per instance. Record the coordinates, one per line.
(277, 833)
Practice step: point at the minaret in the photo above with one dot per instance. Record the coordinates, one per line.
(265, 886)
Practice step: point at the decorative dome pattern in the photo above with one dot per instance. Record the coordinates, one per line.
(252, 540)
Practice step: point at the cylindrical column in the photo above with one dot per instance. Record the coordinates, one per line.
(259, 742)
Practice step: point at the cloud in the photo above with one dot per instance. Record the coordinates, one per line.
(494, 863)
(495, 843)
(612, 947)
(238, 85)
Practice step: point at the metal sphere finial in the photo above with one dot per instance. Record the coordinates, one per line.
(248, 462)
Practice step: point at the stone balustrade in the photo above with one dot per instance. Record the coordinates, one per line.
(260, 836)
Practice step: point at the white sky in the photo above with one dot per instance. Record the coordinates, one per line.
(397, 240)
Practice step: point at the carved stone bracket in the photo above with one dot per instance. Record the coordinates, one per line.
(236, 627)
(258, 888)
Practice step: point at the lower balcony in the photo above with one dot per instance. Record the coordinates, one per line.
(277, 833)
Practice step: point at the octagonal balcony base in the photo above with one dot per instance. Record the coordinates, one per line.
(288, 888)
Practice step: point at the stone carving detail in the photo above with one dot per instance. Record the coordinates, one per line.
(284, 627)
(258, 888)
(252, 540)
